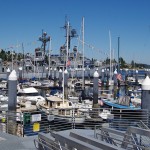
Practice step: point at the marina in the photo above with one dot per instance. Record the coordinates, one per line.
(57, 106)
(38, 100)
(67, 85)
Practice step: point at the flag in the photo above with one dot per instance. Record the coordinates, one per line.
(119, 77)
(99, 82)
(68, 63)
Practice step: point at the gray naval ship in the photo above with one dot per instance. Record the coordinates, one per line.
(42, 61)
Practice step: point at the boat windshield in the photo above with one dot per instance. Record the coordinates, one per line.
(28, 94)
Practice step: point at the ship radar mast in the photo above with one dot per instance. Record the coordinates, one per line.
(70, 33)
(44, 39)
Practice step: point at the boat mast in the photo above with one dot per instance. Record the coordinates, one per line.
(23, 59)
(34, 65)
(12, 59)
(63, 88)
(67, 40)
(118, 54)
(50, 46)
(110, 54)
(83, 53)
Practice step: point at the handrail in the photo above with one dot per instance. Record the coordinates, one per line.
(143, 125)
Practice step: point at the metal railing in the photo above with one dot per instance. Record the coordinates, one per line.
(132, 138)
(31, 123)
(47, 143)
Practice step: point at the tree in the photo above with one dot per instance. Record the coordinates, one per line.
(107, 61)
(122, 62)
(3, 55)
(20, 56)
(132, 64)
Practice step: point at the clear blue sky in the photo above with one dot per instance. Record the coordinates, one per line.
(22, 21)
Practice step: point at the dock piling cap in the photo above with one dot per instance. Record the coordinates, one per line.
(60, 70)
(96, 74)
(8, 70)
(12, 76)
(115, 72)
(146, 83)
(20, 68)
(66, 71)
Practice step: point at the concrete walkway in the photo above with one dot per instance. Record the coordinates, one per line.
(11, 142)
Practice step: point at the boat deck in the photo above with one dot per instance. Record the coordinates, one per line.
(116, 105)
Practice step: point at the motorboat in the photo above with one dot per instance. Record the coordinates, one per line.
(106, 114)
(47, 83)
(73, 99)
(3, 84)
(34, 83)
(62, 109)
(28, 94)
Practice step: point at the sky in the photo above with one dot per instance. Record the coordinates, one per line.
(22, 21)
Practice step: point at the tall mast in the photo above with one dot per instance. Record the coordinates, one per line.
(63, 88)
(118, 54)
(110, 53)
(113, 57)
(50, 47)
(83, 52)
(67, 42)
(12, 66)
(23, 59)
(34, 65)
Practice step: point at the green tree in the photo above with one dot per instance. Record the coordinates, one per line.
(107, 61)
(132, 64)
(2, 54)
(122, 62)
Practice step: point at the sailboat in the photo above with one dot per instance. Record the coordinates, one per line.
(111, 82)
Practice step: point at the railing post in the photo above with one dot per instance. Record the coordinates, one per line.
(73, 118)
(6, 121)
(23, 124)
